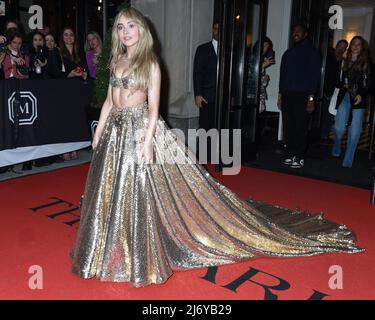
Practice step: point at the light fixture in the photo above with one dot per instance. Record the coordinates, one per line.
(350, 35)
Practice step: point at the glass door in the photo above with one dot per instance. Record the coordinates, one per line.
(243, 24)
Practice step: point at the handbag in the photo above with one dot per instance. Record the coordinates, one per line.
(333, 103)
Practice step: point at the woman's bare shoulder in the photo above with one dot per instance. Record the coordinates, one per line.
(155, 68)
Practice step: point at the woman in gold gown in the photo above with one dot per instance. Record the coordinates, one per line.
(149, 209)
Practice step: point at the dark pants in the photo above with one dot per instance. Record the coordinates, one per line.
(327, 119)
(296, 122)
(206, 122)
(207, 116)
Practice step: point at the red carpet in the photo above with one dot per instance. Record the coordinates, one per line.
(29, 237)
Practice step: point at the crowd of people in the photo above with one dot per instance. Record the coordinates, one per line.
(37, 56)
(347, 70)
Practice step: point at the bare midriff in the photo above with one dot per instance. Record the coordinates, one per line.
(124, 98)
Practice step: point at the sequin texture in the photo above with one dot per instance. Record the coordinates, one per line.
(140, 222)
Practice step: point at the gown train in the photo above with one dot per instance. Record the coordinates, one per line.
(140, 221)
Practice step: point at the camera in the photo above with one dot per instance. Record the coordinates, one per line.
(40, 54)
(22, 69)
(3, 47)
(270, 55)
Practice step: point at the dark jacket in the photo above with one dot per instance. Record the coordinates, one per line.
(54, 65)
(361, 80)
(205, 72)
(300, 69)
(33, 59)
(70, 65)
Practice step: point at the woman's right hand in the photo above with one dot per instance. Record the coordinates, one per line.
(200, 101)
(20, 61)
(41, 63)
(146, 153)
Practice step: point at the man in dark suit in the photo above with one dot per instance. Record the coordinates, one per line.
(205, 76)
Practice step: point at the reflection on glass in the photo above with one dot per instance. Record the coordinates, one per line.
(246, 53)
(253, 44)
(239, 25)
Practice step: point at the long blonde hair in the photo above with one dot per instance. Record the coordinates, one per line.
(144, 57)
(97, 36)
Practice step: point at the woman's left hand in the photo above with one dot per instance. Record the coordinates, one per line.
(42, 64)
(357, 100)
(310, 108)
(146, 153)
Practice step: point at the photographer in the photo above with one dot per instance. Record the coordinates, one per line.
(14, 63)
(2, 54)
(38, 57)
(54, 65)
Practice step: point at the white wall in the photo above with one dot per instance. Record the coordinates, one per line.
(278, 29)
(357, 21)
(181, 25)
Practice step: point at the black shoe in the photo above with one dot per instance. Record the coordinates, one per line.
(297, 163)
(27, 166)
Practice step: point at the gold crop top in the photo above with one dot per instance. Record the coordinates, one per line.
(127, 82)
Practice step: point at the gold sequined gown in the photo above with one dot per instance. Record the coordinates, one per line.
(140, 222)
